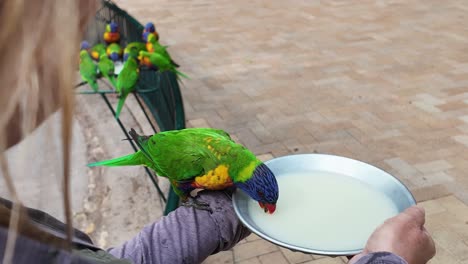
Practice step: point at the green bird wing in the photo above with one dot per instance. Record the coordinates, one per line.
(128, 77)
(161, 50)
(106, 66)
(212, 132)
(137, 45)
(156, 59)
(114, 47)
(100, 48)
(88, 70)
(182, 155)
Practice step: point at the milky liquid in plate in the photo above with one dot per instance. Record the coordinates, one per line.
(324, 211)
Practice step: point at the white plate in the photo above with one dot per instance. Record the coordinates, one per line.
(375, 178)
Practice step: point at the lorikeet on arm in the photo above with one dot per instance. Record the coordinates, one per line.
(202, 158)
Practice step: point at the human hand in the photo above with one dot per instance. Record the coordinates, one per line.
(403, 235)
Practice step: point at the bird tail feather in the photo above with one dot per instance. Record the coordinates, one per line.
(112, 81)
(133, 159)
(120, 105)
(181, 74)
(94, 85)
(175, 64)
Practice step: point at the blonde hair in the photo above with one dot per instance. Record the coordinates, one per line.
(39, 43)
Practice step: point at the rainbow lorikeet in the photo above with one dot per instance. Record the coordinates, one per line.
(114, 51)
(88, 70)
(202, 158)
(133, 47)
(111, 35)
(97, 50)
(153, 46)
(145, 61)
(126, 82)
(149, 29)
(85, 45)
(107, 68)
(163, 63)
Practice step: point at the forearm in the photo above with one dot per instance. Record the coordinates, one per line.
(381, 258)
(186, 235)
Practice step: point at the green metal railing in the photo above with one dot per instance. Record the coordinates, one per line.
(157, 93)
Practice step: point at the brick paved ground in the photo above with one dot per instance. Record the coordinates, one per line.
(384, 82)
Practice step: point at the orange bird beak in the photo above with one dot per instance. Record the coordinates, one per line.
(268, 208)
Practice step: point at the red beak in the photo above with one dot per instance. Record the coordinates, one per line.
(268, 208)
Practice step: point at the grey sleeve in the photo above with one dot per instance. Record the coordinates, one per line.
(381, 258)
(186, 235)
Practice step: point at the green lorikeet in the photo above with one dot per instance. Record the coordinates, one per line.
(112, 34)
(133, 47)
(161, 62)
(106, 67)
(153, 46)
(114, 51)
(88, 70)
(126, 82)
(150, 29)
(202, 158)
(97, 50)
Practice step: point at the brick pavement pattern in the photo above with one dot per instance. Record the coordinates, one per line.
(380, 81)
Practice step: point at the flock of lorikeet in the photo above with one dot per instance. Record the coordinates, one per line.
(148, 53)
(193, 158)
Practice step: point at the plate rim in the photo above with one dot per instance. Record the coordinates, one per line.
(308, 250)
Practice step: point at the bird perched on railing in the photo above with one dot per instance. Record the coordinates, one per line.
(139, 46)
(149, 29)
(107, 69)
(163, 63)
(88, 70)
(202, 158)
(112, 35)
(97, 50)
(126, 82)
(154, 46)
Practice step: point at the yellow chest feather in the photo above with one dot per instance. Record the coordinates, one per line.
(216, 179)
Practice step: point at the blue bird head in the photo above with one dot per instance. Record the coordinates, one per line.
(114, 56)
(85, 45)
(113, 27)
(149, 27)
(262, 187)
(126, 56)
(145, 36)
